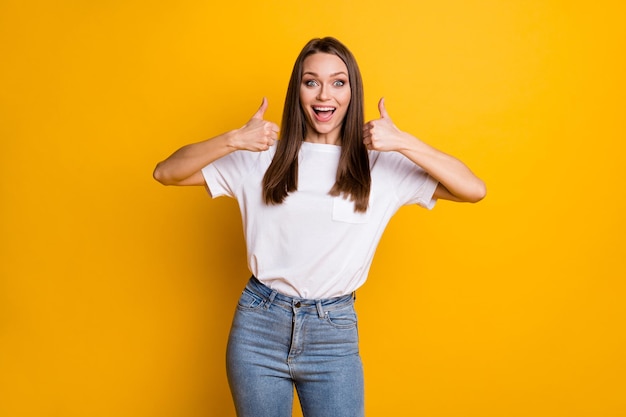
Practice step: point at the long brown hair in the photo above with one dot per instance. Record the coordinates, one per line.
(353, 173)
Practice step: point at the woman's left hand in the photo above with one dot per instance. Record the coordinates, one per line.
(381, 134)
(456, 180)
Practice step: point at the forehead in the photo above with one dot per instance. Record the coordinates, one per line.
(324, 64)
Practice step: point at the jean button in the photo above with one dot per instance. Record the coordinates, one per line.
(297, 304)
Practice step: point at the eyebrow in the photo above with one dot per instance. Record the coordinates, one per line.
(331, 75)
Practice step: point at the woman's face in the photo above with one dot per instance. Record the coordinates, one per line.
(324, 96)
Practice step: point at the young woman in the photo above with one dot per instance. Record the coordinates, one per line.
(314, 205)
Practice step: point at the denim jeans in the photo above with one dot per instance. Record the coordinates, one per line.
(278, 342)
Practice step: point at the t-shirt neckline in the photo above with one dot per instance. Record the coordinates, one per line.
(322, 147)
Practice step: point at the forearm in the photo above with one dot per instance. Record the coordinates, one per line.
(184, 165)
(451, 173)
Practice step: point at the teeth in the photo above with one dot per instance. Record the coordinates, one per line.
(323, 108)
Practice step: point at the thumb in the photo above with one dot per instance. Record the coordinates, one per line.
(261, 111)
(382, 109)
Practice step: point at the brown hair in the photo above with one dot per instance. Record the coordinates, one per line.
(353, 173)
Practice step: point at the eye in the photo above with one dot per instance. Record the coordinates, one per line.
(310, 83)
(339, 83)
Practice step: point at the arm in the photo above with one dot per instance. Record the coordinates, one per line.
(184, 167)
(456, 180)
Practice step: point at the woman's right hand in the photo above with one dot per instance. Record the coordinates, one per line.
(258, 134)
(184, 166)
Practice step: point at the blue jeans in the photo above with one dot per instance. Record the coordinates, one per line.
(277, 342)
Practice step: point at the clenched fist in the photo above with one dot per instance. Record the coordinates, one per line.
(258, 134)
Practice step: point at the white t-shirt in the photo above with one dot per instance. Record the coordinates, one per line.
(314, 245)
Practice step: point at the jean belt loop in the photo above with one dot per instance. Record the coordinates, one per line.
(270, 299)
(320, 309)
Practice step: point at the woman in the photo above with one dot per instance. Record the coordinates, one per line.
(314, 205)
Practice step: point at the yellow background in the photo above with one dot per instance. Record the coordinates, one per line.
(116, 293)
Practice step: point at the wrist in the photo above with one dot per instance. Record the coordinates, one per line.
(408, 142)
(232, 139)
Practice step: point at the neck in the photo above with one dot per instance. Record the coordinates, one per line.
(327, 139)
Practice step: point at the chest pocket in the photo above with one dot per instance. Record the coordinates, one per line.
(343, 211)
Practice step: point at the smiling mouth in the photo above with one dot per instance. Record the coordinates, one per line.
(323, 113)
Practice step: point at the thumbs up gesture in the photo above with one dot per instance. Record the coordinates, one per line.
(381, 134)
(258, 134)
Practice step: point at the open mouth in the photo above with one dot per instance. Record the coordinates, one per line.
(323, 113)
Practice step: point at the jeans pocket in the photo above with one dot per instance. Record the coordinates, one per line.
(342, 319)
(249, 300)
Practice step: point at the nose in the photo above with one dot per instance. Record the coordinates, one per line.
(322, 93)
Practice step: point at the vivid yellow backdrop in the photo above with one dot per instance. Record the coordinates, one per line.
(116, 293)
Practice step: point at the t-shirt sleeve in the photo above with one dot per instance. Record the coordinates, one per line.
(424, 195)
(411, 183)
(224, 176)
